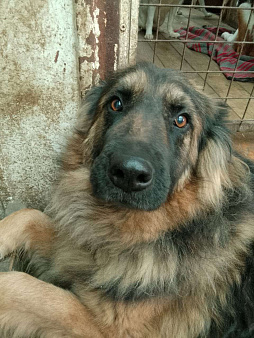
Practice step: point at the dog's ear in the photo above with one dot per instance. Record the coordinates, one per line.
(74, 154)
(89, 107)
(219, 168)
(215, 154)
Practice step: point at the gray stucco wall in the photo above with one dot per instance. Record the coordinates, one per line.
(39, 94)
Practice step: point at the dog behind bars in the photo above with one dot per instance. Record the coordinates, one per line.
(150, 229)
(245, 30)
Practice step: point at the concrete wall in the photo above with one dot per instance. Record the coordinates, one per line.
(39, 94)
(51, 52)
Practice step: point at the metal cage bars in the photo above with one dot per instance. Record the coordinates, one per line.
(156, 40)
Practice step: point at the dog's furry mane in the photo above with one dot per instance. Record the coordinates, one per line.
(192, 251)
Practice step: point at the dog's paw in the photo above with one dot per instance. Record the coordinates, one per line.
(227, 36)
(224, 35)
(174, 34)
(208, 15)
(170, 33)
(149, 36)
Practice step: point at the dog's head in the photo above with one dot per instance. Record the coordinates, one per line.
(143, 130)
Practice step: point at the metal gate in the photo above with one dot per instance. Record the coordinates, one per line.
(238, 95)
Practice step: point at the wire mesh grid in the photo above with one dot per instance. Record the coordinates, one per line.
(238, 95)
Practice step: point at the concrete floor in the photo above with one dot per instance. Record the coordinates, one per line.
(244, 143)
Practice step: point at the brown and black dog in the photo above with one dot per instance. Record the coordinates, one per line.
(150, 229)
(245, 30)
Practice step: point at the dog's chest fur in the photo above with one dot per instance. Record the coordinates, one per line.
(159, 317)
(169, 287)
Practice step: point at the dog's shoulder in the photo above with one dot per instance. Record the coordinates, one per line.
(237, 319)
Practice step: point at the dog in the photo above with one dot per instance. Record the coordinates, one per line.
(245, 28)
(148, 17)
(203, 10)
(150, 229)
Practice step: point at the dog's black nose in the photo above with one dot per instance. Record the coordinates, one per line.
(130, 173)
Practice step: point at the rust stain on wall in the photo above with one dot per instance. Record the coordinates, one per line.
(109, 38)
(98, 31)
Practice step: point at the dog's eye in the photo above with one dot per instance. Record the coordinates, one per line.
(181, 121)
(116, 105)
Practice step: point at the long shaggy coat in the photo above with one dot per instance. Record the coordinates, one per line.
(153, 223)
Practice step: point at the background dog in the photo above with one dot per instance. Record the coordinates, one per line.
(150, 229)
(245, 24)
(203, 10)
(148, 16)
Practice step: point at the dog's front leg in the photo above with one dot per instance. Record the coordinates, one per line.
(32, 308)
(167, 25)
(203, 10)
(149, 22)
(28, 228)
(230, 37)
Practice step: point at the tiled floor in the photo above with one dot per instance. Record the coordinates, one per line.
(244, 143)
(169, 55)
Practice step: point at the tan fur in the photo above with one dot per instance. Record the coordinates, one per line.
(215, 167)
(127, 320)
(136, 81)
(29, 305)
(28, 227)
(175, 95)
(141, 226)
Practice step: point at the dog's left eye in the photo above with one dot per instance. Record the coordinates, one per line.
(116, 105)
(181, 121)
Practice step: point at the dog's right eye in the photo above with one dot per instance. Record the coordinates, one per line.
(181, 121)
(116, 105)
